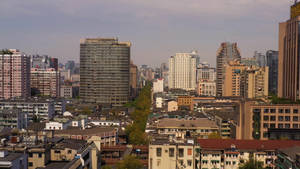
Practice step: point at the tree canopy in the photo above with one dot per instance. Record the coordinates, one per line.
(130, 162)
(252, 164)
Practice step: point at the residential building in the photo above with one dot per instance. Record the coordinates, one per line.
(53, 125)
(38, 156)
(231, 154)
(133, 80)
(13, 160)
(256, 119)
(288, 56)
(206, 88)
(45, 82)
(165, 154)
(182, 71)
(66, 91)
(70, 65)
(206, 73)
(14, 74)
(249, 61)
(43, 109)
(232, 78)
(200, 127)
(288, 158)
(172, 106)
(43, 62)
(158, 85)
(227, 52)
(13, 118)
(159, 102)
(104, 71)
(272, 63)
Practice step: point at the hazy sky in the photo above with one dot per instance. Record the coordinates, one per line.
(156, 28)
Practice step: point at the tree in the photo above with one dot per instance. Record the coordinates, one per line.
(130, 162)
(252, 164)
(214, 135)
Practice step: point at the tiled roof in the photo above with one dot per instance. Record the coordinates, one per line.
(183, 123)
(222, 144)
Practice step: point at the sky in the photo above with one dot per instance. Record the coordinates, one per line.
(157, 29)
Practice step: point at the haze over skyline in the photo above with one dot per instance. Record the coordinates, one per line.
(156, 28)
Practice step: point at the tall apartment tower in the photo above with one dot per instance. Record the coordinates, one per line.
(272, 63)
(14, 74)
(133, 80)
(182, 71)
(104, 71)
(45, 82)
(289, 56)
(227, 52)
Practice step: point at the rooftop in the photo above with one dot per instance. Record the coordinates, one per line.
(221, 144)
(71, 144)
(88, 131)
(11, 157)
(291, 151)
(183, 123)
(54, 165)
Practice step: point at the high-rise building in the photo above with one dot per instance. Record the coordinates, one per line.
(232, 85)
(272, 63)
(206, 72)
(260, 59)
(227, 52)
(104, 71)
(245, 81)
(249, 61)
(14, 74)
(70, 65)
(133, 80)
(43, 62)
(288, 58)
(158, 85)
(182, 71)
(45, 82)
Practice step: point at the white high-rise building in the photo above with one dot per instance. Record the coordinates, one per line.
(182, 71)
(158, 86)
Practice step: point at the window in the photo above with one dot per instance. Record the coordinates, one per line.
(295, 126)
(40, 155)
(189, 162)
(272, 125)
(287, 110)
(69, 151)
(181, 162)
(273, 118)
(280, 125)
(233, 162)
(287, 126)
(266, 110)
(57, 151)
(265, 134)
(280, 118)
(295, 118)
(30, 164)
(273, 110)
(189, 151)
(287, 118)
(266, 125)
(171, 152)
(158, 152)
(280, 110)
(30, 154)
(181, 152)
(266, 118)
(295, 111)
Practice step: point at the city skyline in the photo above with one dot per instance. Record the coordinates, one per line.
(55, 28)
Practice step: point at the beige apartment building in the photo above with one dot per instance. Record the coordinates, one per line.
(165, 154)
(245, 81)
(256, 119)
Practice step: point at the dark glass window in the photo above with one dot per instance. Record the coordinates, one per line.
(266, 118)
(273, 110)
(287, 126)
(273, 118)
(266, 125)
(280, 110)
(280, 118)
(287, 118)
(181, 152)
(295, 126)
(287, 110)
(280, 126)
(295, 111)
(171, 152)
(295, 118)
(272, 125)
(158, 152)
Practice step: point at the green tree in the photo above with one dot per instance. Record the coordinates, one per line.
(214, 135)
(252, 164)
(130, 162)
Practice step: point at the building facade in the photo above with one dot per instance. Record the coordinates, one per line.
(14, 74)
(43, 62)
(206, 88)
(272, 63)
(158, 85)
(45, 82)
(182, 71)
(13, 118)
(206, 72)
(288, 58)
(227, 52)
(104, 71)
(133, 80)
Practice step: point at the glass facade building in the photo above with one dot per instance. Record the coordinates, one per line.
(104, 71)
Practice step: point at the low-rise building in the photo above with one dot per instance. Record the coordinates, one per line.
(66, 91)
(13, 160)
(42, 108)
(288, 158)
(200, 127)
(53, 125)
(165, 154)
(159, 102)
(172, 106)
(13, 118)
(206, 88)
